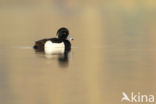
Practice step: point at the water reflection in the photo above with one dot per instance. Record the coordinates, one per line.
(62, 58)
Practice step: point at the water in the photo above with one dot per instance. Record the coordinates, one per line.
(113, 52)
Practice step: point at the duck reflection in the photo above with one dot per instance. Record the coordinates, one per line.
(62, 58)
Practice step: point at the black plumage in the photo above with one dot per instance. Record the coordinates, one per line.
(62, 34)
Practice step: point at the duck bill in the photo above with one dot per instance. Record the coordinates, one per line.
(70, 38)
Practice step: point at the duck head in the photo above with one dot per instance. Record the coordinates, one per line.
(63, 33)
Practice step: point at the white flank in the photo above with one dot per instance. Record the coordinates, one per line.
(54, 48)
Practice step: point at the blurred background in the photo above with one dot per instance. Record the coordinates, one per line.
(113, 52)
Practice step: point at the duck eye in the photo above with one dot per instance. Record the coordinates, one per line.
(64, 33)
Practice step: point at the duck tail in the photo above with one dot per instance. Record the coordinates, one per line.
(38, 47)
(35, 47)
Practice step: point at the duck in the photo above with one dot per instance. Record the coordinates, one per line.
(58, 45)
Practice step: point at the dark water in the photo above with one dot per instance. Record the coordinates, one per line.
(113, 52)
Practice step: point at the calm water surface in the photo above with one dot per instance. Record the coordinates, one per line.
(113, 51)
